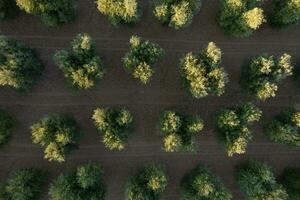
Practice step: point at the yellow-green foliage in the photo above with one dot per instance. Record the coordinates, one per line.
(285, 128)
(148, 183)
(115, 125)
(176, 14)
(178, 131)
(119, 11)
(240, 18)
(81, 66)
(140, 58)
(202, 74)
(50, 12)
(201, 184)
(263, 74)
(57, 134)
(232, 127)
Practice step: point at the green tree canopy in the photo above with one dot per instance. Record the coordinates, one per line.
(201, 184)
(58, 134)
(23, 184)
(202, 73)
(116, 126)
(7, 123)
(176, 13)
(258, 182)
(285, 128)
(240, 18)
(232, 127)
(263, 74)
(50, 12)
(291, 182)
(83, 183)
(8, 9)
(285, 12)
(119, 11)
(140, 58)
(179, 131)
(81, 66)
(148, 183)
(19, 65)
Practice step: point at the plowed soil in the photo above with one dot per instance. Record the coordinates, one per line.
(51, 95)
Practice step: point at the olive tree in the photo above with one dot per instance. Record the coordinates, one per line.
(119, 11)
(83, 183)
(148, 183)
(20, 65)
(179, 131)
(263, 74)
(7, 123)
(232, 126)
(141, 56)
(176, 13)
(8, 9)
(23, 184)
(50, 12)
(290, 180)
(58, 134)
(201, 184)
(202, 73)
(81, 66)
(285, 12)
(285, 128)
(257, 181)
(240, 18)
(115, 125)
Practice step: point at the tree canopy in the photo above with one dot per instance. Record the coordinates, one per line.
(20, 65)
(81, 66)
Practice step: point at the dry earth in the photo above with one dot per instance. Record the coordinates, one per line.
(164, 92)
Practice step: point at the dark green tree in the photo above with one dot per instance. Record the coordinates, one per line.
(81, 66)
(83, 183)
(240, 18)
(285, 128)
(201, 184)
(285, 12)
(58, 134)
(148, 183)
(179, 131)
(116, 126)
(7, 123)
(290, 180)
(258, 182)
(202, 73)
(24, 184)
(232, 127)
(263, 74)
(19, 65)
(8, 9)
(119, 11)
(176, 13)
(51, 12)
(140, 58)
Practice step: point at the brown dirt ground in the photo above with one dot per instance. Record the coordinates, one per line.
(119, 89)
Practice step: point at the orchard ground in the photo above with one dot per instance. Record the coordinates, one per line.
(119, 89)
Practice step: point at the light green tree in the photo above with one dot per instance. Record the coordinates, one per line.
(176, 13)
(119, 11)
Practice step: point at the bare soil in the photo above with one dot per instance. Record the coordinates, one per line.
(51, 95)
